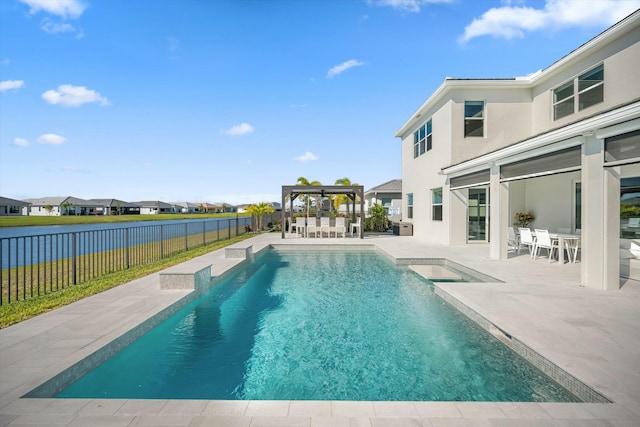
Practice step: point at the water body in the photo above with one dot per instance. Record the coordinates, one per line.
(22, 246)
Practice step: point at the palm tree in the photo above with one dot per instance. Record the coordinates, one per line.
(304, 182)
(258, 211)
(342, 198)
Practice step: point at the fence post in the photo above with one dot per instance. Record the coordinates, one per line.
(126, 246)
(74, 255)
(237, 224)
(161, 241)
(186, 235)
(204, 233)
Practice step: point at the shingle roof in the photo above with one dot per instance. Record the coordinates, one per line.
(393, 186)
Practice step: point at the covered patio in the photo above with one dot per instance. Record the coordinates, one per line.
(352, 192)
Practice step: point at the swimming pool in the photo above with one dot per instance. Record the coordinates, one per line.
(319, 325)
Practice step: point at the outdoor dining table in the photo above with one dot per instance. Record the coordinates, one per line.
(562, 238)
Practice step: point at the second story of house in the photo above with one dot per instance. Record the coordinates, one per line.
(466, 118)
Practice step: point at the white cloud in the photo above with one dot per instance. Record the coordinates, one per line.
(408, 5)
(48, 26)
(73, 96)
(307, 157)
(11, 84)
(334, 71)
(51, 139)
(514, 21)
(62, 8)
(20, 142)
(238, 130)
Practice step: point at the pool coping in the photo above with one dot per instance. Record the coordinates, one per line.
(15, 409)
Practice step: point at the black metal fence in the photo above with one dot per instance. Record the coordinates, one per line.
(45, 263)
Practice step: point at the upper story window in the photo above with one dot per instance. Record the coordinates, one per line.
(422, 141)
(585, 90)
(473, 118)
(409, 205)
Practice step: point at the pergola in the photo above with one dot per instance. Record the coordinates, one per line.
(351, 191)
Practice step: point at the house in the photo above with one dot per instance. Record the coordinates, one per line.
(116, 207)
(188, 207)
(12, 207)
(58, 206)
(155, 207)
(389, 195)
(562, 143)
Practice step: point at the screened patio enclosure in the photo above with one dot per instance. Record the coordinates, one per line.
(352, 192)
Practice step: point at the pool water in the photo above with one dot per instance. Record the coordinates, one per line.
(319, 325)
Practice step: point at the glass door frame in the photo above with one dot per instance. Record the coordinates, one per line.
(486, 239)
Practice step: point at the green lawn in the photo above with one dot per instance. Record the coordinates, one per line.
(19, 221)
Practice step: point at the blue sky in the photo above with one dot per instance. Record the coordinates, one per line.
(228, 100)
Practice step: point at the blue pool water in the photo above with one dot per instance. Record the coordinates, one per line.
(319, 326)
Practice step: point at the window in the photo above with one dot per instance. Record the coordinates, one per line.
(429, 136)
(590, 91)
(410, 205)
(436, 204)
(591, 88)
(563, 101)
(473, 118)
(422, 140)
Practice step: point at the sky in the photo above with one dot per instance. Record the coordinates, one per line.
(228, 100)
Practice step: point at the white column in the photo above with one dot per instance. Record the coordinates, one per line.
(611, 229)
(597, 194)
(458, 220)
(498, 215)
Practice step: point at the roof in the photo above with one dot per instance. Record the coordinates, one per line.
(59, 201)
(114, 203)
(153, 204)
(5, 201)
(393, 186)
(626, 25)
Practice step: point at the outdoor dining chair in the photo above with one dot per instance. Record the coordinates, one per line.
(312, 227)
(527, 239)
(544, 241)
(341, 227)
(356, 225)
(513, 240)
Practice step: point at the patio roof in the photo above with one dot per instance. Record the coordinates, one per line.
(351, 191)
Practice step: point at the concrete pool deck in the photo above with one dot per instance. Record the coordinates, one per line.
(593, 335)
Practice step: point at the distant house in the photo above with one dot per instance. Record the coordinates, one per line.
(12, 207)
(116, 207)
(388, 195)
(155, 207)
(188, 207)
(223, 207)
(243, 207)
(58, 206)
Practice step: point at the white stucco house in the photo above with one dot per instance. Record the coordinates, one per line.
(58, 206)
(154, 207)
(562, 143)
(387, 194)
(13, 207)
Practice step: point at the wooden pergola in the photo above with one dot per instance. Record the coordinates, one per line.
(351, 191)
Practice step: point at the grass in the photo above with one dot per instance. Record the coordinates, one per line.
(20, 221)
(23, 310)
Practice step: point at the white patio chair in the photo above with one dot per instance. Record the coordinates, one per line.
(356, 225)
(312, 227)
(527, 239)
(543, 240)
(300, 226)
(513, 240)
(325, 225)
(341, 227)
